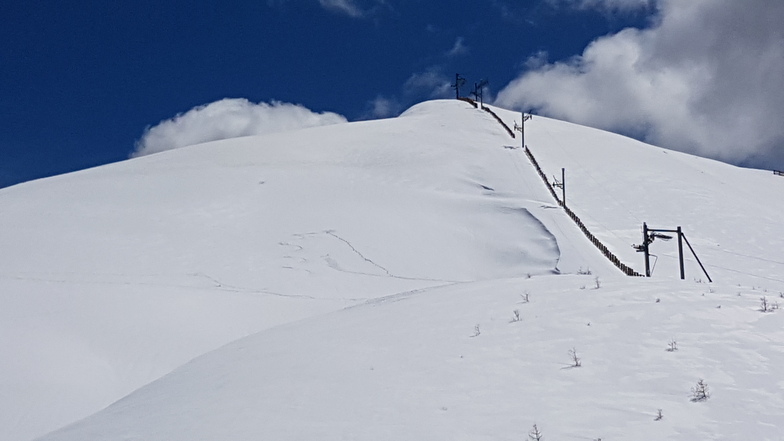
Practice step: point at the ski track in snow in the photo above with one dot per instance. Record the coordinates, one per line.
(386, 271)
(332, 233)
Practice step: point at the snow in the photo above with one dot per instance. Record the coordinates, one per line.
(730, 215)
(409, 368)
(329, 283)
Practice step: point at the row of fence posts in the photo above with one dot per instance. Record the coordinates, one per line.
(597, 243)
(469, 101)
(490, 111)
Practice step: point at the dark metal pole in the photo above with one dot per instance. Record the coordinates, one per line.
(698, 259)
(457, 85)
(522, 128)
(645, 248)
(480, 91)
(563, 185)
(680, 252)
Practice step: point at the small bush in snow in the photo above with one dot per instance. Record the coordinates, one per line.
(700, 392)
(659, 416)
(476, 330)
(597, 283)
(525, 298)
(535, 434)
(766, 306)
(672, 346)
(516, 316)
(576, 362)
(584, 272)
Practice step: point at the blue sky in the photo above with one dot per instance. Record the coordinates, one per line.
(81, 81)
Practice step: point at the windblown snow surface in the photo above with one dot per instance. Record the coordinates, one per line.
(362, 281)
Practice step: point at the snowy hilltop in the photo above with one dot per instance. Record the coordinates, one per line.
(408, 278)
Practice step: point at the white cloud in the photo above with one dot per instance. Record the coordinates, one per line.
(459, 48)
(606, 5)
(705, 78)
(383, 107)
(347, 7)
(228, 118)
(352, 8)
(431, 83)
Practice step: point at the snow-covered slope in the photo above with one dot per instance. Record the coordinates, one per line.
(114, 276)
(732, 216)
(375, 269)
(413, 366)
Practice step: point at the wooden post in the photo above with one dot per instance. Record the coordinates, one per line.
(521, 128)
(457, 84)
(563, 185)
(680, 252)
(645, 249)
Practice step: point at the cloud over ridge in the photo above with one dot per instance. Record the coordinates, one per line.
(229, 118)
(704, 78)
